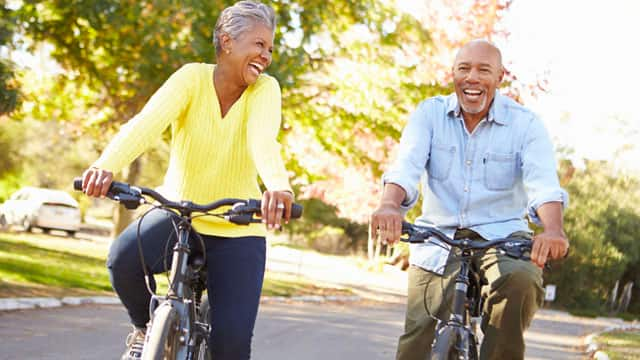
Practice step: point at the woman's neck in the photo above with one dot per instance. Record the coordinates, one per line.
(227, 88)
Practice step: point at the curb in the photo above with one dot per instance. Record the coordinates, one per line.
(11, 304)
(592, 350)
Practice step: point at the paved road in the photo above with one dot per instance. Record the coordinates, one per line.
(308, 331)
(284, 331)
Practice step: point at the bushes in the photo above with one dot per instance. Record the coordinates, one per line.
(322, 229)
(602, 224)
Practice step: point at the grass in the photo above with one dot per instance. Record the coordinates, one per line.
(47, 265)
(620, 344)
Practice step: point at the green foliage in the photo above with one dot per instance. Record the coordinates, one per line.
(602, 224)
(9, 86)
(322, 229)
(11, 139)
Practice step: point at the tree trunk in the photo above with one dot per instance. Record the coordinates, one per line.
(370, 244)
(123, 217)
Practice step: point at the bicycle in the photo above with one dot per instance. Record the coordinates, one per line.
(456, 338)
(179, 327)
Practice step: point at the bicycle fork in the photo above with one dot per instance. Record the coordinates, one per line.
(459, 319)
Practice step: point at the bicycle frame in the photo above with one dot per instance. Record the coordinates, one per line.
(459, 320)
(455, 337)
(179, 334)
(182, 297)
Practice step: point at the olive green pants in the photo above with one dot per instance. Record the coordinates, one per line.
(513, 295)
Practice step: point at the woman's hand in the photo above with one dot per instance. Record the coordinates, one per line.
(276, 206)
(96, 182)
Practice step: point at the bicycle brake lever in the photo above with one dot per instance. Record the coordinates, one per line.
(546, 266)
(240, 219)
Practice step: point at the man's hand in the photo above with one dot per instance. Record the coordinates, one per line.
(549, 245)
(387, 221)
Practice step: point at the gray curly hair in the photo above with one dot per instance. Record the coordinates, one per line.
(239, 17)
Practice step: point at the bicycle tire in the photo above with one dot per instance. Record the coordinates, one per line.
(473, 347)
(162, 339)
(202, 351)
(444, 345)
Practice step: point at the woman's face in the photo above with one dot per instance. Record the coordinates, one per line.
(250, 53)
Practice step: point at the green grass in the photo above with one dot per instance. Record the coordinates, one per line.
(44, 265)
(620, 344)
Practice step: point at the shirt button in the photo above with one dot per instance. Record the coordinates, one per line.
(468, 162)
(466, 189)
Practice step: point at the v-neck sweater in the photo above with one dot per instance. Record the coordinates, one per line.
(211, 157)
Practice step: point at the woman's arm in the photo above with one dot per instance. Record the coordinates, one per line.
(263, 125)
(139, 133)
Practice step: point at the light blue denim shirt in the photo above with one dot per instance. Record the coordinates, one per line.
(486, 181)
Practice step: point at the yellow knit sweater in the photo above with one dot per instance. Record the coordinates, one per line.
(211, 157)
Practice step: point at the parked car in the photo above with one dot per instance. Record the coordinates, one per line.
(47, 209)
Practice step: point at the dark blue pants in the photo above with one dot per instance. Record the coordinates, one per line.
(235, 270)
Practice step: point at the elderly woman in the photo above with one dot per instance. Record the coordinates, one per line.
(224, 120)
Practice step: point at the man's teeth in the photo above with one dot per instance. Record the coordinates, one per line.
(473, 92)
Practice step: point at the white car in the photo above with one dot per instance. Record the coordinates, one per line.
(47, 209)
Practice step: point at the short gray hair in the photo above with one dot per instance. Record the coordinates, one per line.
(239, 17)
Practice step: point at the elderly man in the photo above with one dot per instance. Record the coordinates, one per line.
(487, 162)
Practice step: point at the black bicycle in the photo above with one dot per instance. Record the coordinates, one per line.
(179, 327)
(456, 337)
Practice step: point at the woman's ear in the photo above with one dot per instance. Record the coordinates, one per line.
(226, 43)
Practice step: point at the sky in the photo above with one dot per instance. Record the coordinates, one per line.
(589, 50)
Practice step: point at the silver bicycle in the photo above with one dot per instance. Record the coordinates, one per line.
(179, 327)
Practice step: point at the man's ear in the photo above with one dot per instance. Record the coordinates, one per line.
(501, 75)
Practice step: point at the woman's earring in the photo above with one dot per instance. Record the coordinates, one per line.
(227, 51)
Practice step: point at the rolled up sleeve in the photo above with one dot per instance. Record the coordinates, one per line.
(539, 171)
(412, 156)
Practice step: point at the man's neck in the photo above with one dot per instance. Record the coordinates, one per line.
(471, 121)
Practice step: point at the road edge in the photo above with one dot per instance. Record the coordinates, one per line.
(12, 304)
(591, 346)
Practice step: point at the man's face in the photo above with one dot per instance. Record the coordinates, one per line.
(477, 72)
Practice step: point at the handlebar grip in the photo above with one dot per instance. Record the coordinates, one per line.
(296, 211)
(406, 227)
(77, 184)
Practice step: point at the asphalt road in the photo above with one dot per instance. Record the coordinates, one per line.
(309, 331)
(283, 331)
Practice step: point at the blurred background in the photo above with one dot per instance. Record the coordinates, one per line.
(72, 72)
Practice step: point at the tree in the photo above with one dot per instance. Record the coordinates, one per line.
(601, 224)
(9, 88)
(126, 49)
(325, 59)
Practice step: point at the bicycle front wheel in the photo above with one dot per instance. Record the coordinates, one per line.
(444, 346)
(202, 350)
(162, 340)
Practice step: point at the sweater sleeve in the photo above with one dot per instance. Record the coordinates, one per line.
(263, 123)
(144, 129)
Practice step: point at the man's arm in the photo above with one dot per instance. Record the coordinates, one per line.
(546, 198)
(388, 216)
(552, 242)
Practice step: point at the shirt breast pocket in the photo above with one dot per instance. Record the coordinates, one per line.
(440, 161)
(499, 171)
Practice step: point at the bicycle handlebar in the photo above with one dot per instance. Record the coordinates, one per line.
(514, 247)
(241, 211)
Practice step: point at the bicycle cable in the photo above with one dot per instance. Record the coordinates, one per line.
(147, 277)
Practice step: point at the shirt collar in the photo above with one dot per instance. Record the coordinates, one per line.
(497, 111)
